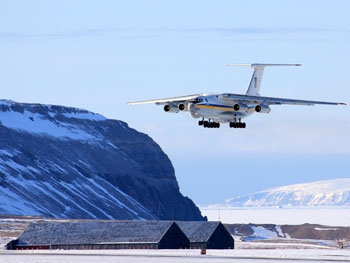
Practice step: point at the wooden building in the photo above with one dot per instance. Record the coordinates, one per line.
(102, 235)
(207, 235)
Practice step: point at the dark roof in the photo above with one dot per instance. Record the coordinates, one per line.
(198, 231)
(94, 232)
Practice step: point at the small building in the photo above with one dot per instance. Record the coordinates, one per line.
(207, 235)
(102, 235)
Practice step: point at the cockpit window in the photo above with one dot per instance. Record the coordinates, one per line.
(197, 100)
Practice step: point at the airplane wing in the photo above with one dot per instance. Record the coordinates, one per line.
(274, 101)
(168, 100)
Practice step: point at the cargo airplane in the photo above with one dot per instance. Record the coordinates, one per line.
(214, 109)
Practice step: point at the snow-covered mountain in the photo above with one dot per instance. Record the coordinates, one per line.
(334, 192)
(65, 162)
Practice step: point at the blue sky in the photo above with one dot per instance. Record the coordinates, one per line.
(98, 55)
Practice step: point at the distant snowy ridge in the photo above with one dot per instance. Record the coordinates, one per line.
(331, 193)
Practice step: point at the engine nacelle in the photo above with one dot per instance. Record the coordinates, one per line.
(240, 107)
(182, 106)
(171, 108)
(262, 108)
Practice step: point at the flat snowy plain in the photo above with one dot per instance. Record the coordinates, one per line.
(328, 216)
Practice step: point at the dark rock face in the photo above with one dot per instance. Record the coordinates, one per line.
(68, 163)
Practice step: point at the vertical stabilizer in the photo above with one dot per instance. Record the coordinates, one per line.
(255, 81)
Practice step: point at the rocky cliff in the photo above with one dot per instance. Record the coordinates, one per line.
(65, 162)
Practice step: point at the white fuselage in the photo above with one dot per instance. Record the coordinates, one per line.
(219, 110)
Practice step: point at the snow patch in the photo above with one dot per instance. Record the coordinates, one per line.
(325, 229)
(35, 123)
(85, 116)
(260, 232)
(5, 152)
(43, 120)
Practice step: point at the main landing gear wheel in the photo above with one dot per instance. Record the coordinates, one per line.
(238, 125)
(209, 124)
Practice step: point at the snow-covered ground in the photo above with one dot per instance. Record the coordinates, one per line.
(170, 256)
(280, 216)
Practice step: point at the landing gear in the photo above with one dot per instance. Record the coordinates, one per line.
(209, 124)
(239, 124)
(213, 124)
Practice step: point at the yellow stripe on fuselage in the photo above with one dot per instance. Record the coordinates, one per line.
(220, 108)
(213, 107)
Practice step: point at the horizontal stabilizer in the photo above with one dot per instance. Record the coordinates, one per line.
(255, 81)
(263, 65)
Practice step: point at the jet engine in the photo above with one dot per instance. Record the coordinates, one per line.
(262, 108)
(240, 107)
(171, 108)
(182, 106)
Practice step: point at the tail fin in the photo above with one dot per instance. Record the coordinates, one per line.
(255, 81)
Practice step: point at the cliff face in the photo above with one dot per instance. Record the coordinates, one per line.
(65, 162)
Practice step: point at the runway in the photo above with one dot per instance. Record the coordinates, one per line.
(176, 256)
